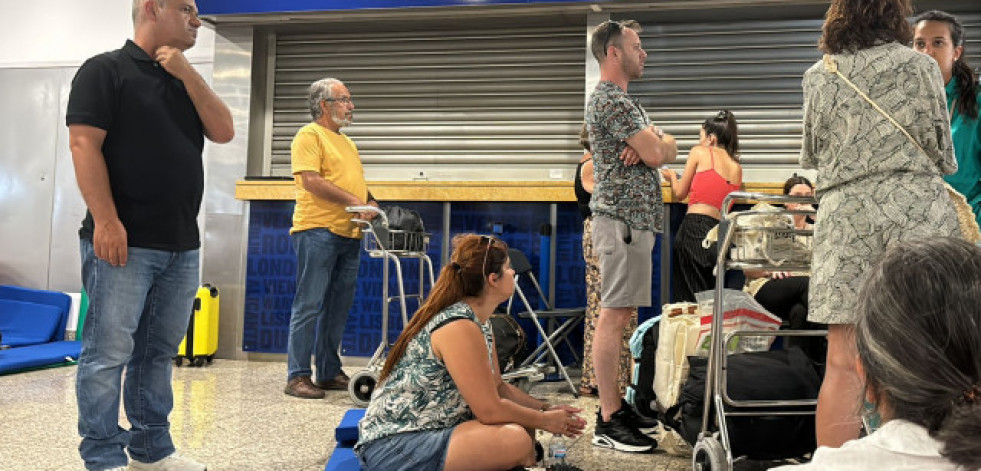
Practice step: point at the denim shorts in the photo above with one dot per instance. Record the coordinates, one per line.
(411, 451)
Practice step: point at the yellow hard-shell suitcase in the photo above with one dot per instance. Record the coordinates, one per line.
(201, 341)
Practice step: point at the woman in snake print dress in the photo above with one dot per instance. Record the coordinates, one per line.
(875, 187)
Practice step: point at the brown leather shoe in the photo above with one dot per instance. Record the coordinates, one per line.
(339, 382)
(301, 387)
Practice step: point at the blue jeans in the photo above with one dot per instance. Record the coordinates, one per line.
(326, 277)
(137, 317)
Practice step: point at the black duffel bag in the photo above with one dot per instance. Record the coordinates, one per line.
(774, 375)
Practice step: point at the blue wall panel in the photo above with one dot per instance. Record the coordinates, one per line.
(270, 282)
(271, 268)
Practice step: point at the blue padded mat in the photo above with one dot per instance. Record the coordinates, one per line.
(54, 298)
(34, 356)
(23, 323)
(346, 432)
(343, 459)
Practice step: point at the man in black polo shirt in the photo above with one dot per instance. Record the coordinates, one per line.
(137, 118)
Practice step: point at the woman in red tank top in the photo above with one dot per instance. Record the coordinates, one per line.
(712, 171)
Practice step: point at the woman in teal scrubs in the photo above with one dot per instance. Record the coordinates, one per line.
(941, 36)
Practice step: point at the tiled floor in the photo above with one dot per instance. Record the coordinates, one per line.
(231, 415)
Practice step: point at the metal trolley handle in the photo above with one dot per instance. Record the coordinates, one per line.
(367, 209)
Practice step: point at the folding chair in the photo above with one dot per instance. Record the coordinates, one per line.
(568, 318)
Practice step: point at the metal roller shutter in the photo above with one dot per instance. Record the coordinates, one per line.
(474, 97)
(753, 68)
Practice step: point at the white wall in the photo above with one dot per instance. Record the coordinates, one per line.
(42, 44)
(59, 33)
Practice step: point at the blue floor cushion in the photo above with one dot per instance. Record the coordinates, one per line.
(26, 323)
(35, 356)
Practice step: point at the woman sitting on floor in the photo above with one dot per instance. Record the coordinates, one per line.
(441, 403)
(919, 352)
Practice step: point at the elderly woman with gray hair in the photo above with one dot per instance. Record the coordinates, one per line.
(919, 353)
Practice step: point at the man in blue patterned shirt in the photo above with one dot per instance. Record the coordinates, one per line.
(627, 212)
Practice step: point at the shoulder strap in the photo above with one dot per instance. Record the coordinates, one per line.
(831, 66)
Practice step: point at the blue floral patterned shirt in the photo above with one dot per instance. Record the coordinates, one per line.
(630, 194)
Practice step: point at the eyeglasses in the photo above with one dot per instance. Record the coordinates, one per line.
(344, 100)
(490, 241)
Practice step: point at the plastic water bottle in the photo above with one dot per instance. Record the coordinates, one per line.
(557, 448)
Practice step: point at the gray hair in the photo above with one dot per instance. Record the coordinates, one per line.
(919, 339)
(138, 7)
(320, 90)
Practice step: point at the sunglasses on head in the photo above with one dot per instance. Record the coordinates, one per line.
(490, 241)
(612, 28)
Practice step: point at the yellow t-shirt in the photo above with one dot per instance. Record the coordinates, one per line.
(334, 156)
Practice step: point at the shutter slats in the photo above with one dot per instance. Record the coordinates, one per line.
(514, 96)
(753, 68)
(483, 96)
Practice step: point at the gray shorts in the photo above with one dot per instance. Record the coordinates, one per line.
(625, 268)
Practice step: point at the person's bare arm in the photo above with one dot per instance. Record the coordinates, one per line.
(654, 150)
(109, 234)
(681, 187)
(215, 116)
(586, 174)
(461, 346)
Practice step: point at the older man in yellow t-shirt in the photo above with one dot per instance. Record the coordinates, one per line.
(329, 177)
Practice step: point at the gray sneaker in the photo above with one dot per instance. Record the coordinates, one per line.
(174, 462)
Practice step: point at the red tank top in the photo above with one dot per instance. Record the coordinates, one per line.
(709, 187)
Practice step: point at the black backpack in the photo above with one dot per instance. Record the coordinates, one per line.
(404, 232)
(509, 340)
(644, 397)
(779, 374)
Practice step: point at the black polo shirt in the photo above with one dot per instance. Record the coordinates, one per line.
(153, 144)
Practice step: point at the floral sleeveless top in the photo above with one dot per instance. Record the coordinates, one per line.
(419, 394)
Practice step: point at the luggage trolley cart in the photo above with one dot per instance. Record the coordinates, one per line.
(713, 450)
(391, 245)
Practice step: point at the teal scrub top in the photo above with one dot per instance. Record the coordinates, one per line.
(966, 133)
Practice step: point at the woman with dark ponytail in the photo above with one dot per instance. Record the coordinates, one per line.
(712, 171)
(941, 35)
(919, 353)
(441, 403)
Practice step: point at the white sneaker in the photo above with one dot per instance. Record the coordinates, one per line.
(174, 462)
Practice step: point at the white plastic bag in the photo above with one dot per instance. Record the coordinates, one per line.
(741, 312)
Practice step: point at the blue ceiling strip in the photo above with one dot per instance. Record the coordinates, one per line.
(242, 7)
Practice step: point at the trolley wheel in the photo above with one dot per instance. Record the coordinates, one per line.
(708, 455)
(361, 386)
(178, 361)
(199, 361)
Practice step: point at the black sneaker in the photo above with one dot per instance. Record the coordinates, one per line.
(619, 434)
(645, 425)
